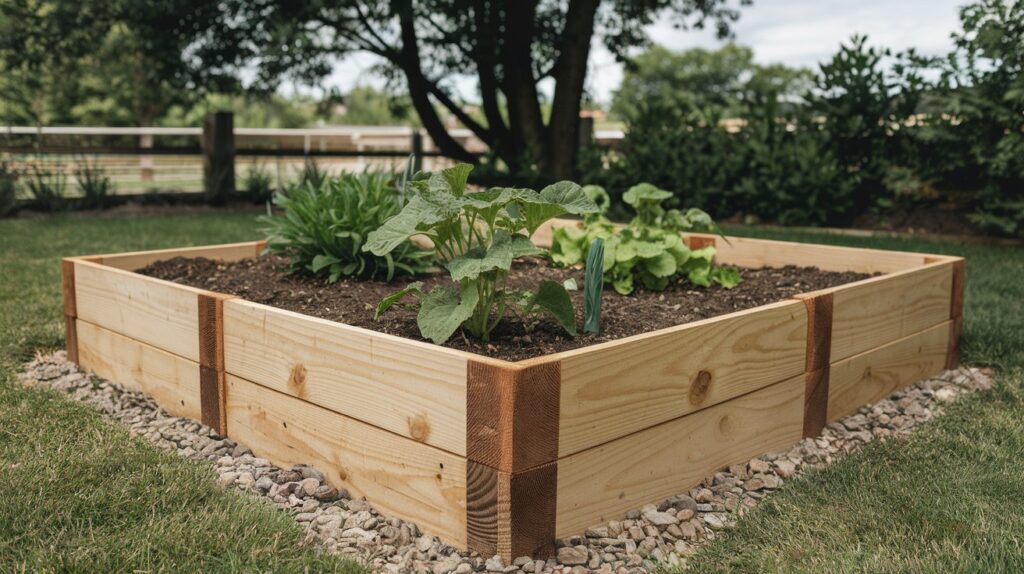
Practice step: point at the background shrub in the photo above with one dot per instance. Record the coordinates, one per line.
(94, 184)
(8, 189)
(47, 188)
(258, 183)
(324, 227)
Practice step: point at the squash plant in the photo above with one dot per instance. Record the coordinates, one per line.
(477, 236)
(648, 249)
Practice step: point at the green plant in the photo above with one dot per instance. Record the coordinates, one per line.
(478, 236)
(649, 249)
(259, 183)
(47, 188)
(312, 174)
(324, 227)
(593, 287)
(94, 184)
(8, 189)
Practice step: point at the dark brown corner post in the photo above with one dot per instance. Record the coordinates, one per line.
(816, 371)
(694, 242)
(956, 313)
(218, 145)
(512, 451)
(67, 271)
(211, 360)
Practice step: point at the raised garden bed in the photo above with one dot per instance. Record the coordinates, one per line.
(501, 456)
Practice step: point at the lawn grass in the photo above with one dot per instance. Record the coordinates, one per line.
(950, 498)
(85, 496)
(80, 494)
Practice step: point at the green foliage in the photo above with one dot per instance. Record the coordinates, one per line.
(8, 189)
(47, 188)
(94, 184)
(259, 183)
(478, 236)
(312, 174)
(593, 286)
(649, 250)
(324, 228)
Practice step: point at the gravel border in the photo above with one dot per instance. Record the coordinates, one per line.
(663, 534)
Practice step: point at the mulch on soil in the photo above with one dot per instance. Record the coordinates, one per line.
(266, 280)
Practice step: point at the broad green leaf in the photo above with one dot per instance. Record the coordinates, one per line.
(647, 249)
(503, 250)
(644, 192)
(565, 246)
(321, 261)
(652, 282)
(626, 251)
(418, 215)
(662, 265)
(443, 310)
(487, 204)
(727, 277)
(415, 287)
(553, 298)
(599, 196)
(700, 276)
(456, 176)
(570, 196)
(622, 282)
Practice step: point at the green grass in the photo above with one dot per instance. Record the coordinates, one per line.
(948, 499)
(80, 494)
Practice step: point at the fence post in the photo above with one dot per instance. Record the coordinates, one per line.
(586, 132)
(218, 156)
(417, 150)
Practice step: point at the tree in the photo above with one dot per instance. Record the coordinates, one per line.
(510, 48)
(126, 61)
(699, 81)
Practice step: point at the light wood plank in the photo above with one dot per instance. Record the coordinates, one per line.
(620, 387)
(399, 476)
(748, 252)
(870, 376)
(155, 312)
(602, 483)
(410, 388)
(226, 252)
(172, 381)
(879, 310)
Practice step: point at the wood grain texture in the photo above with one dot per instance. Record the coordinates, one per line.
(172, 381)
(159, 313)
(399, 476)
(819, 348)
(956, 313)
(700, 241)
(211, 329)
(410, 388)
(481, 508)
(512, 414)
(617, 388)
(867, 377)
(226, 252)
(511, 514)
(211, 399)
(747, 252)
(602, 483)
(870, 313)
(71, 338)
(67, 276)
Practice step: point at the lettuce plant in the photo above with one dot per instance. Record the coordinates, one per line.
(649, 249)
(478, 236)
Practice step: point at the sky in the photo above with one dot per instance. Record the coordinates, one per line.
(791, 32)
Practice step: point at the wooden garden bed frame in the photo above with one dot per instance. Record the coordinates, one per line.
(503, 457)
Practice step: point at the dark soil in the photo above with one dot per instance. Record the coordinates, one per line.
(266, 280)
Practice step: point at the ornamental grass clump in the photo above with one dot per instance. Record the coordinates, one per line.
(326, 223)
(478, 236)
(649, 249)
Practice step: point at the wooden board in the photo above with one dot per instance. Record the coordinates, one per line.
(879, 310)
(870, 376)
(602, 483)
(748, 252)
(226, 252)
(409, 388)
(159, 313)
(399, 476)
(172, 381)
(620, 387)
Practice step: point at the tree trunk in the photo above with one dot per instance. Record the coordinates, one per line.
(519, 84)
(563, 133)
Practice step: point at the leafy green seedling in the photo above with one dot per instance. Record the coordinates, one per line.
(478, 236)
